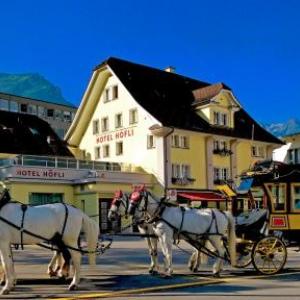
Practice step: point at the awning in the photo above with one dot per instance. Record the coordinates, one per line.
(204, 196)
(245, 186)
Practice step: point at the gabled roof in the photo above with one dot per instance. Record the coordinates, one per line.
(208, 92)
(165, 95)
(28, 134)
(169, 98)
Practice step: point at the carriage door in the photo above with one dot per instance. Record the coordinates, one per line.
(104, 205)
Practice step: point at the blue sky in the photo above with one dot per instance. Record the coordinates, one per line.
(251, 45)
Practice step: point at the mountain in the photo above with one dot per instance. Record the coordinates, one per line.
(32, 85)
(282, 129)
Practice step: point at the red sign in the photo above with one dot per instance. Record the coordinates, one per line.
(278, 222)
(121, 134)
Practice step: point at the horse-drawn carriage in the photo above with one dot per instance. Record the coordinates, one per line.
(272, 190)
(269, 198)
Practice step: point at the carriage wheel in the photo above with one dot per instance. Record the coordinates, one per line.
(269, 255)
(244, 254)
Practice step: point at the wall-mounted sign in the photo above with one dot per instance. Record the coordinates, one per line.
(40, 173)
(121, 134)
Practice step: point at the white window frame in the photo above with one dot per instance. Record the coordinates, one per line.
(150, 141)
(133, 116)
(106, 150)
(97, 152)
(175, 141)
(119, 148)
(95, 126)
(119, 120)
(183, 142)
(104, 124)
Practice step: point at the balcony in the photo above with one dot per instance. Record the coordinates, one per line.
(222, 152)
(182, 180)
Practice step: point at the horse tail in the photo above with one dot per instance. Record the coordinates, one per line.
(231, 238)
(91, 231)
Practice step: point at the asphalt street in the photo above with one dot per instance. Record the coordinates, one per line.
(122, 272)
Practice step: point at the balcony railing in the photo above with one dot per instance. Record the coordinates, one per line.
(223, 152)
(59, 162)
(182, 180)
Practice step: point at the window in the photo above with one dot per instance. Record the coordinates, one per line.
(133, 116)
(13, 106)
(221, 174)
(45, 198)
(118, 120)
(294, 156)
(216, 118)
(119, 148)
(115, 92)
(3, 104)
(220, 119)
(104, 124)
(184, 142)
(106, 151)
(296, 196)
(111, 93)
(185, 171)
(150, 141)
(175, 141)
(224, 120)
(97, 152)
(50, 113)
(32, 109)
(258, 151)
(95, 126)
(67, 116)
(58, 114)
(176, 172)
(23, 108)
(41, 111)
(278, 195)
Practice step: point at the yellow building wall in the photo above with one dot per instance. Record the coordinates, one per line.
(91, 204)
(195, 156)
(21, 191)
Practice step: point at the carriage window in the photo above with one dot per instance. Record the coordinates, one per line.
(278, 195)
(295, 193)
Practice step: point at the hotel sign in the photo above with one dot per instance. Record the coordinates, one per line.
(118, 135)
(40, 173)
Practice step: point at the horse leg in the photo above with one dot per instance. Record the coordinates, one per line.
(54, 261)
(152, 245)
(194, 261)
(76, 259)
(8, 268)
(218, 244)
(166, 246)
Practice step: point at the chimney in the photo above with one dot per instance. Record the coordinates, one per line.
(170, 69)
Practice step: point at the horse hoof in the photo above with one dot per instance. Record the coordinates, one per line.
(216, 275)
(194, 270)
(154, 273)
(4, 292)
(72, 287)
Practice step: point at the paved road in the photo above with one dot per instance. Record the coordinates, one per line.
(122, 272)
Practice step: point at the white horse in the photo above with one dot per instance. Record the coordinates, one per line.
(119, 208)
(45, 223)
(192, 225)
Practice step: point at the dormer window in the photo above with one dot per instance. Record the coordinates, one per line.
(220, 119)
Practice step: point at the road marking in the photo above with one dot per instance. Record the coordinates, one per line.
(172, 286)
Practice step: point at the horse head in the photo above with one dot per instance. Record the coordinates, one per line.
(119, 206)
(136, 198)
